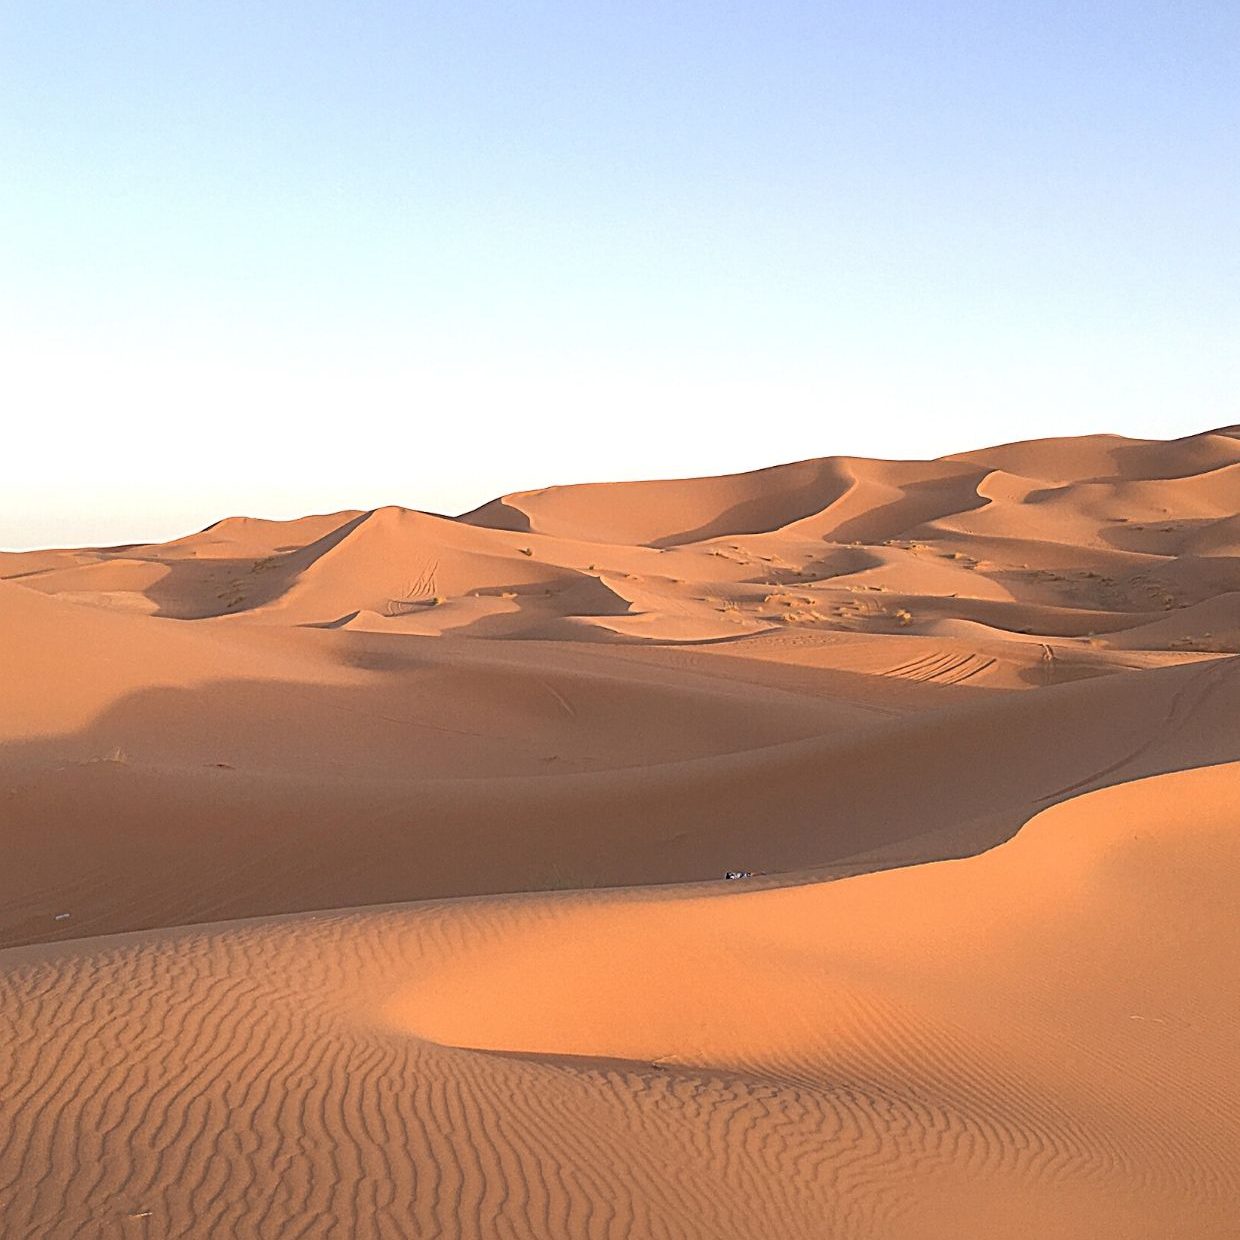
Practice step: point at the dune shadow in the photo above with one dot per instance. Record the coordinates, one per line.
(243, 798)
(919, 503)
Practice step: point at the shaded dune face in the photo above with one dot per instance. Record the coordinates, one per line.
(972, 724)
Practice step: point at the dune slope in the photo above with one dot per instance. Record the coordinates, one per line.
(962, 1048)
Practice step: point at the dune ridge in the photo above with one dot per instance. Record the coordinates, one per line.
(364, 871)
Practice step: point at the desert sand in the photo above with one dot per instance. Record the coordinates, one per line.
(364, 873)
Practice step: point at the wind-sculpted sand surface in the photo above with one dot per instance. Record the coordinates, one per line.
(473, 784)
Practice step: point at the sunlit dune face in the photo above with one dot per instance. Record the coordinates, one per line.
(811, 973)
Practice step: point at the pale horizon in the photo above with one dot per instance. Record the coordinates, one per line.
(300, 258)
(173, 520)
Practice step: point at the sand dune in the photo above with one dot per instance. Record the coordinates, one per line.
(974, 723)
(952, 1049)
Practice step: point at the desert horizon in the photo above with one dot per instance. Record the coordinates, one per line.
(843, 848)
(619, 621)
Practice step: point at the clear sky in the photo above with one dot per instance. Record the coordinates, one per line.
(275, 257)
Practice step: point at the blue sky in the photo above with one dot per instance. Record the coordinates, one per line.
(278, 258)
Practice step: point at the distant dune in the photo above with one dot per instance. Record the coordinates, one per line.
(364, 874)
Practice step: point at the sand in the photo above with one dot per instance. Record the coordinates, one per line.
(364, 873)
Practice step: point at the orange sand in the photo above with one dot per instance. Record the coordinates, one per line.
(974, 722)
